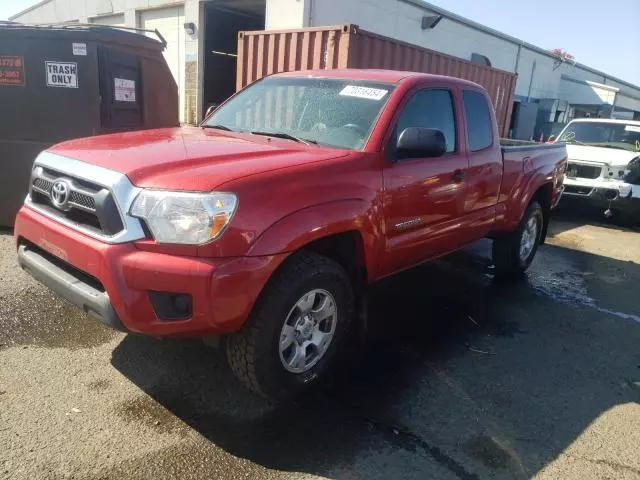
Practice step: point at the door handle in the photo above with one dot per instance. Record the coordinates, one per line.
(458, 176)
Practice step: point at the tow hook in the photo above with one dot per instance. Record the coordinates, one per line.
(608, 213)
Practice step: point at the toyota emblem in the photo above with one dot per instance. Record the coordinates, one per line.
(60, 194)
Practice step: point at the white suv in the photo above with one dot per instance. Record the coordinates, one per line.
(604, 164)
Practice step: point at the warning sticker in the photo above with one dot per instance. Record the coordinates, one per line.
(62, 74)
(363, 92)
(12, 71)
(80, 49)
(124, 90)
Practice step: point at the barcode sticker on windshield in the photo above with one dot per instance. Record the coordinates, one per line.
(364, 92)
(632, 128)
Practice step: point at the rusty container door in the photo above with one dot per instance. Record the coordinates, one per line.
(262, 53)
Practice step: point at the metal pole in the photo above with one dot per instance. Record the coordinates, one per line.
(533, 71)
(515, 69)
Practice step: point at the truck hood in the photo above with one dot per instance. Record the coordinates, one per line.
(602, 156)
(190, 158)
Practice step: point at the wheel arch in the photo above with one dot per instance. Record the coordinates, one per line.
(544, 195)
(327, 229)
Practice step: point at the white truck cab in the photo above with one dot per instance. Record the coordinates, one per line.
(604, 164)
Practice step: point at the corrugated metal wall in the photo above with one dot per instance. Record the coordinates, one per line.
(346, 46)
(262, 53)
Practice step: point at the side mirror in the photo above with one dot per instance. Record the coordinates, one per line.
(416, 142)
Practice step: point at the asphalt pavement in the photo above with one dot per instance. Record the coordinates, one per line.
(463, 378)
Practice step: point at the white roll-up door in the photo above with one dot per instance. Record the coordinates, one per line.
(170, 23)
(113, 20)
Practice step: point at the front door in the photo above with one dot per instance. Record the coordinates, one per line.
(424, 197)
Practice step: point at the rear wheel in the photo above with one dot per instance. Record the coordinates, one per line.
(296, 329)
(513, 253)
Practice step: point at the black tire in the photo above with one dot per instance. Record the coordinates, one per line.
(506, 250)
(253, 352)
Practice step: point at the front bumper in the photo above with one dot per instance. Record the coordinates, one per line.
(83, 294)
(603, 194)
(113, 282)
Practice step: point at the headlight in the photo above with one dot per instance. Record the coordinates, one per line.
(633, 175)
(625, 190)
(184, 217)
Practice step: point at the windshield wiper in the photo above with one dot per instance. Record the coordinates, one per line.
(218, 127)
(286, 136)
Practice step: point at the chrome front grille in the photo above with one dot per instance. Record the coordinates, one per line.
(88, 205)
(82, 200)
(96, 199)
(82, 196)
(42, 185)
(577, 170)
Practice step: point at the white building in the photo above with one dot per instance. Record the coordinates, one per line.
(200, 32)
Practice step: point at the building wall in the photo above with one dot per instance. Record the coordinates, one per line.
(399, 19)
(283, 14)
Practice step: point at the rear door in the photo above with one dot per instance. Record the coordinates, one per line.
(121, 105)
(424, 198)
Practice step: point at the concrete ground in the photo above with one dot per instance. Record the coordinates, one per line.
(464, 378)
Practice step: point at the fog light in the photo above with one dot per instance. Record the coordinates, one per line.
(171, 306)
(182, 303)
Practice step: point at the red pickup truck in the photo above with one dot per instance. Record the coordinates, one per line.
(266, 223)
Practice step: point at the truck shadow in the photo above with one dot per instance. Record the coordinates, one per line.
(462, 376)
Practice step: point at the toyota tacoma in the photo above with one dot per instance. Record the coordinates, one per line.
(265, 224)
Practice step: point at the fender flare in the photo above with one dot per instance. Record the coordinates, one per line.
(302, 227)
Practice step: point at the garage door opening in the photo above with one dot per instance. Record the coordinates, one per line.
(170, 23)
(222, 24)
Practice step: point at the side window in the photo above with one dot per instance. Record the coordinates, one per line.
(479, 124)
(431, 109)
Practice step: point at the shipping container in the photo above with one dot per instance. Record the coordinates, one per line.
(262, 53)
(58, 83)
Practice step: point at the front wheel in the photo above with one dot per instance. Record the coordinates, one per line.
(513, 253)
(296, 329)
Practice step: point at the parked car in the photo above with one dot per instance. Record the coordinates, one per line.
(604, 164)
(267, 223)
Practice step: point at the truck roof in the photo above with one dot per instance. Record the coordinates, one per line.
(608, 120)
(376, 75)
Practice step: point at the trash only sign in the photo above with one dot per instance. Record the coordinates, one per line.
(12, 71)
(62, 74)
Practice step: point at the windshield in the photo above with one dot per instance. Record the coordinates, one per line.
(603, 134)
(333, 112)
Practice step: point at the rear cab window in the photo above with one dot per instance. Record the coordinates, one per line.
(479, 120)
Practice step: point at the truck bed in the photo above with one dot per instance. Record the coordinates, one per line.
(522, 162)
